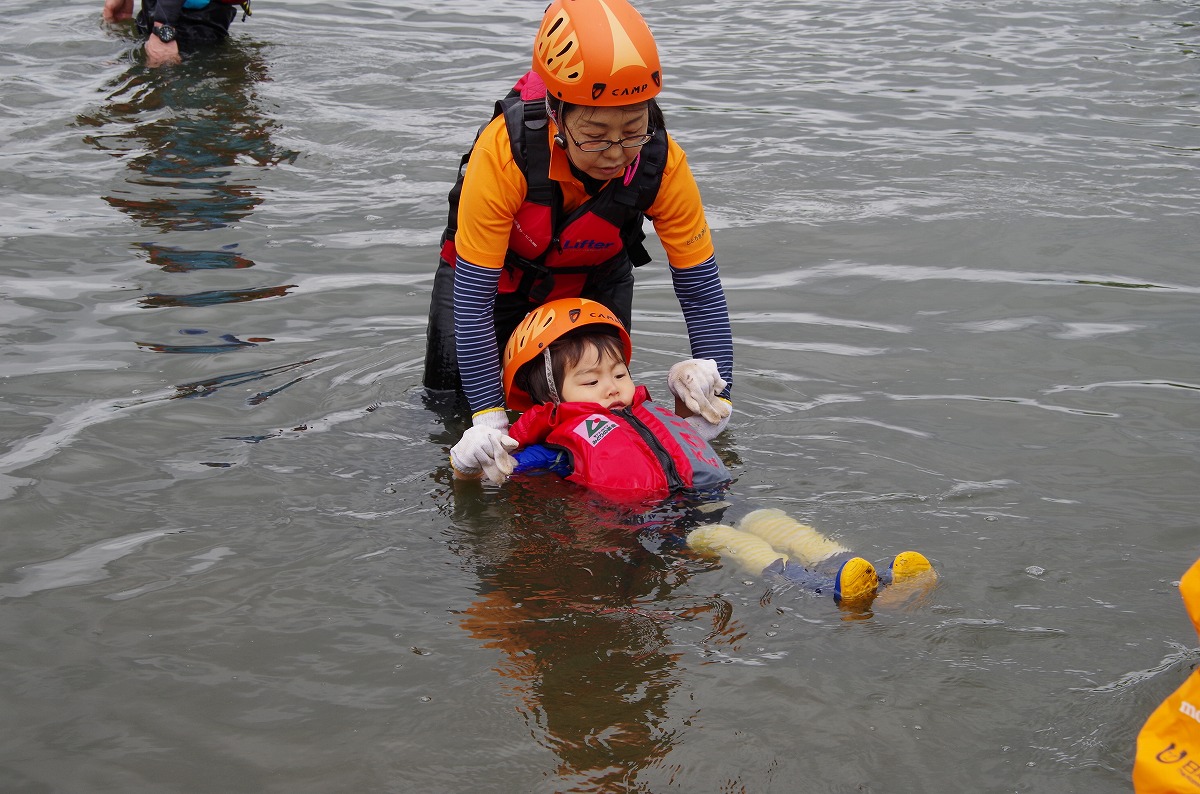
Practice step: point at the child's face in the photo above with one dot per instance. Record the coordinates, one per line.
(594, 380)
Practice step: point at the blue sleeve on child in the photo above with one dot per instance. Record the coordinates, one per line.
(537, 457)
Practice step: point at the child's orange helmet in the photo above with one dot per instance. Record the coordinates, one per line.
(597, 53)
(542, 326)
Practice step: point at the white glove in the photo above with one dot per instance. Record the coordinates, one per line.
(697, 383)
(484, 448)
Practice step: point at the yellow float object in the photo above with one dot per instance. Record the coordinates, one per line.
(1168, 747)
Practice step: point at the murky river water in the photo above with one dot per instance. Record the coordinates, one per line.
(959, 241)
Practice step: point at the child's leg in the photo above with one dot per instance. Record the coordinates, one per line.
(770, 542)
(852, 579)
(805, 544)
(855, 580)
(751, 553)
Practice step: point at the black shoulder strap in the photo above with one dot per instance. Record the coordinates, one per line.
(526, 122)
(519, 116)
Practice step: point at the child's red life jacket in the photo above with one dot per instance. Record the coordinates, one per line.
(643, 451)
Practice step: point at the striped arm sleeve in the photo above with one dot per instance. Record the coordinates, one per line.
(707, 316)
(475, 334)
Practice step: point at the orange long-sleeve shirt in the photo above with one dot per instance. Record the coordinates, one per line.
(494, 189)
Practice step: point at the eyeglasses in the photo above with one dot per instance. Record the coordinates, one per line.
(631, 142)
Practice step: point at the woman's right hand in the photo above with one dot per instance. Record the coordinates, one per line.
(483, 450)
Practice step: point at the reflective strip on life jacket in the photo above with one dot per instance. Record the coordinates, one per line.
(705, 468)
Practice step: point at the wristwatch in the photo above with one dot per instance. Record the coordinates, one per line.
(165, 32)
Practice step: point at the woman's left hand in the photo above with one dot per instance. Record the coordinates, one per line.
(696, 383)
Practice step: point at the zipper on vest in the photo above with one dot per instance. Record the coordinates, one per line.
(674, 480)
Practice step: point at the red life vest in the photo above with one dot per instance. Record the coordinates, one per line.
(643, 452)
(550, 256)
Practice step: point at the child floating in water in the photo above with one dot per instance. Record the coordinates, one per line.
(567, 366)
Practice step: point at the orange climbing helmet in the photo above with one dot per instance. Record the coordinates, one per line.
(596, 53)
(544, 325)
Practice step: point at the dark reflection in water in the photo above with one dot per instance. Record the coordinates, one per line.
(193, 138)
(580, 606)
(173, 259)
(210, 386)
(228, 342)
(211, 297)
(183, 130)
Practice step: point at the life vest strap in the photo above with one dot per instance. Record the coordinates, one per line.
(538, 280)
(526, 122)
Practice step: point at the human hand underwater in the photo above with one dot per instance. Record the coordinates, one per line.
(696, 383)
(483, 450)
(117, 10)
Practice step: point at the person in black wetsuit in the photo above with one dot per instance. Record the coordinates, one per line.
(172, 27)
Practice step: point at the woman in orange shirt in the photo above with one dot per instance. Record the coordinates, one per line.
(550, 205)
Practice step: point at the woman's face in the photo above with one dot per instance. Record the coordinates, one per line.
(585, 124)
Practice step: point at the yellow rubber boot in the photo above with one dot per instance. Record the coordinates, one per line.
(911, 565)
(856, 584)
(749, 552)
(806, 545)
(913, 578)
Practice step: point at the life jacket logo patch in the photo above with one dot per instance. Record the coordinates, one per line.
(594, 428)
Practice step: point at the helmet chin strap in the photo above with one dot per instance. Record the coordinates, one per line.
(550, 376)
